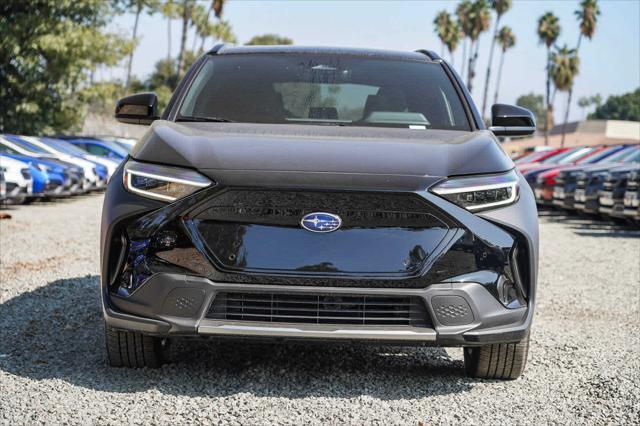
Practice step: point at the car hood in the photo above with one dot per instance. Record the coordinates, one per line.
(309, 154)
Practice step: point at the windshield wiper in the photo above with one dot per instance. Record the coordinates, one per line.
(205, 119)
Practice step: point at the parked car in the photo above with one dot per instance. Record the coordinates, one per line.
(49, 178)
(76, 168)
(3, 186)
(590, 182)
(100, 148)
(611, 196)
(18, 180)
(63, 150)
(257, 209)
(566, 180)
(126, 143)
(538, 156)
(542, 177)
(632, 196)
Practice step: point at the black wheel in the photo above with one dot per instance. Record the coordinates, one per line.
(504, 361)
(134, 350)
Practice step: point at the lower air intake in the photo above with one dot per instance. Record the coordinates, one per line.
(320, 309)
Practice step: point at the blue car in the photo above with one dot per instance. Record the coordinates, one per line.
(63, 146)
(100, 147)
(49, 178)
(74, 175)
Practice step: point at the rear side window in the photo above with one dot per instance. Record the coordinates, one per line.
(325, 89)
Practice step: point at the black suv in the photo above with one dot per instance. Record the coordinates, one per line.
(349, 195)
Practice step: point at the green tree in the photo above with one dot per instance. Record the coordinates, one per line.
(535, 104)
(507, 40)
(584, 102)
(151, 6)
(463, 11)
(170, 11)
(479, 21)
(587, 17)
(500, 6)
(440, 22)
(48, 50)
(624, 107)
(452, 37)
(565, 67)
(548, 33)
(268, 39)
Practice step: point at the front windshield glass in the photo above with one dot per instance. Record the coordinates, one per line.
(324, 89)
(28, 146)
(64, 146)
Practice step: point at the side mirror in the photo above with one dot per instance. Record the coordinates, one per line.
(511, 120)
(141, 108)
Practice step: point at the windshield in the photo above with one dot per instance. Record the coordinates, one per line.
(324, 89)
(555, 158)
(64, 146)
(27, 146)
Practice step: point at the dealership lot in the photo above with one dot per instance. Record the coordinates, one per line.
(583, 365)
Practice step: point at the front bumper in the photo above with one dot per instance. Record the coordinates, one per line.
(178, 305)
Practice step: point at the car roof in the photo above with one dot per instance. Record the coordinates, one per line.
(423, 56)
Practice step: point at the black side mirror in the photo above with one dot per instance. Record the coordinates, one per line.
(141, 108)
(511, 120)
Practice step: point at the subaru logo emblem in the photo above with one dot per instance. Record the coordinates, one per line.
(321, 222)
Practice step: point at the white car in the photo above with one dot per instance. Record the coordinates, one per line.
(18, 180)
(60, 148)
(27, 147)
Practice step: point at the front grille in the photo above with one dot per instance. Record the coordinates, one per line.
(320, 309)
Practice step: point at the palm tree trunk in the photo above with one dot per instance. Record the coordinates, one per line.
(133, 40)
(464, 57)
(495, 99)
(183, 38)
(488, 74)
(453, 58)
(470, 66)
(566, 117)
(548, 104)
(169, 37)
(204, 36)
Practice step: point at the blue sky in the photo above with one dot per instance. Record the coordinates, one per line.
(610, 63)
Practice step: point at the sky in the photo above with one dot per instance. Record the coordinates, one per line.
(609, 64)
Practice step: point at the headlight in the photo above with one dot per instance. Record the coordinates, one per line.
(480, 192)
(162, 182)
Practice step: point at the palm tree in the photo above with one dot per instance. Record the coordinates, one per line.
(462, 12)
(565, 66)
(507, 40)
(480, 20)
(186, 9)
(169, 11)
(441, 21)
(548, 32)
(452, 37)
(500, 6)
(584, 102)
(587, 15)
(139, 6)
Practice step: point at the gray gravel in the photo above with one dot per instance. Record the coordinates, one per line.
(583, 365)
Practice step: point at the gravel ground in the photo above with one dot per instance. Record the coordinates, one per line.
(583, 364)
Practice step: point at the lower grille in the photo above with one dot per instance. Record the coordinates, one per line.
(320, 309)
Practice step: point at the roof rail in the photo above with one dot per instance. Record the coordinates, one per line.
(215, 49)
(430, 53)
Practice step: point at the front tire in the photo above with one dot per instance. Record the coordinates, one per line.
(133, 350)
(504, 361)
